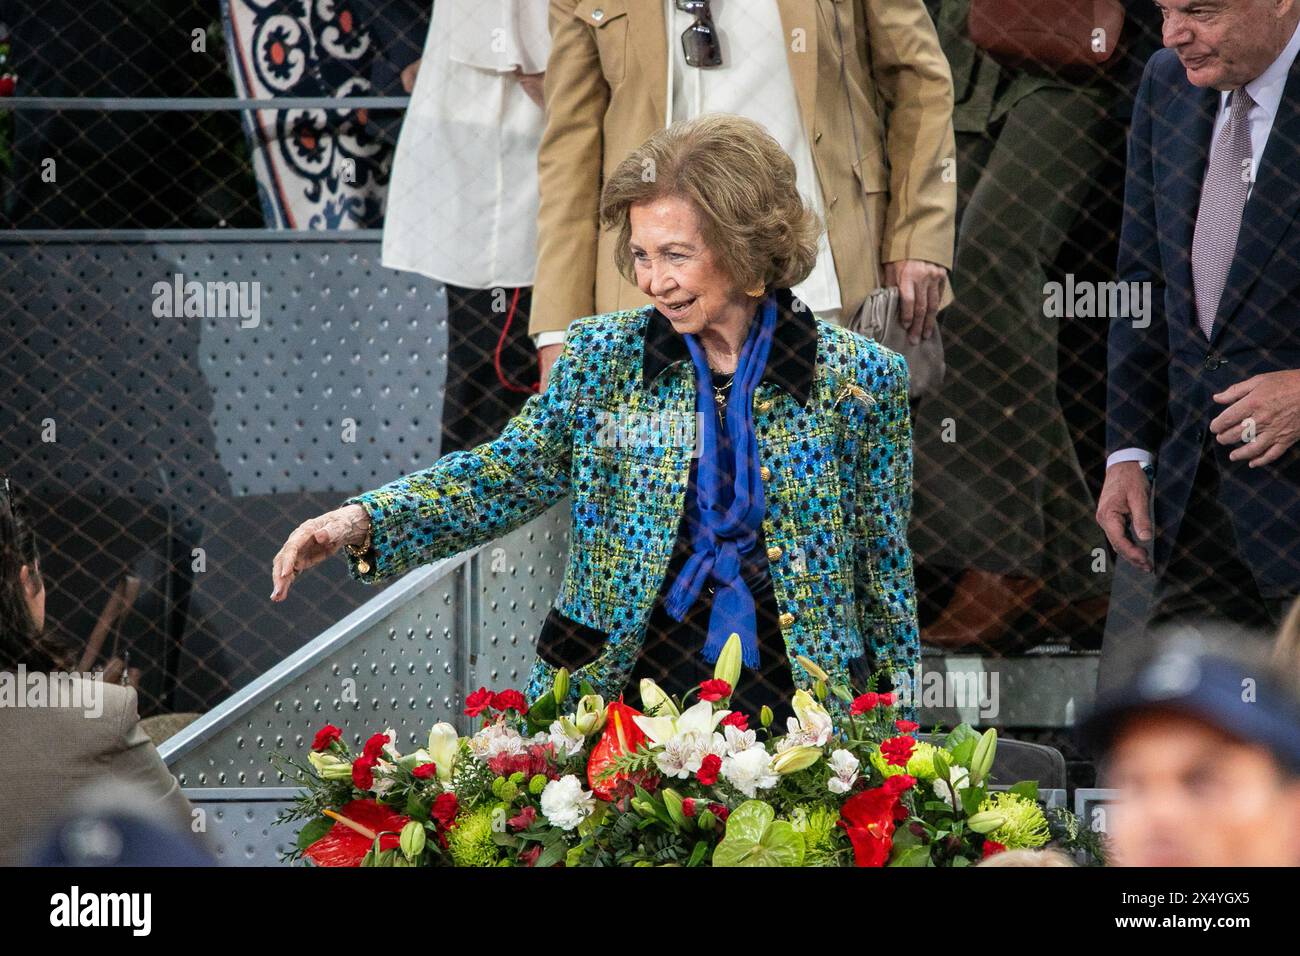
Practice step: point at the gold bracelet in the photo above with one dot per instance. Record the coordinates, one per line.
(359, 551)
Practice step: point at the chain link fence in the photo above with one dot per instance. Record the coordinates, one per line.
(166, 444)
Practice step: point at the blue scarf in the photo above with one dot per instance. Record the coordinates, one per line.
(727, 525)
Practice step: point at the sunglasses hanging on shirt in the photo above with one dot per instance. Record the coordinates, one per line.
(700, 39)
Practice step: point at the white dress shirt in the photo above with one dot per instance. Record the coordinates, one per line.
(462, 201)
(753, 81)
(1266, 90)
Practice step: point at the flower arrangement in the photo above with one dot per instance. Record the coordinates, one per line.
(679, 782)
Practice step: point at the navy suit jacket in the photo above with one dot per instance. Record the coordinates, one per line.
(1162, 376)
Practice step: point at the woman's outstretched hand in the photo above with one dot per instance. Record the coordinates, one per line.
(315, 540)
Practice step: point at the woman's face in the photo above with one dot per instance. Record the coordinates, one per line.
(676, 269)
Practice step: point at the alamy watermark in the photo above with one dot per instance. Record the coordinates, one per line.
(1098, 300)
(208, 300)
(21, 688)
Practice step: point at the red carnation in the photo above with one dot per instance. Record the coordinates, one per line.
(325, 737)
(715, 689)
(444, 810)
(688, 806)
(509, 700)
(897, 751)
(864, 703)
(906, 726)
(992, 848)
(425, 771)
(736, 719)
(887, 699)
(363, 775)
(707, 775)
(479, 701)
(7, 85)
(868, 819)
(719, 811)
(375, 746)
(898, 783)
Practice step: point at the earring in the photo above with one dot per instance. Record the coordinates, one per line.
(757, 291)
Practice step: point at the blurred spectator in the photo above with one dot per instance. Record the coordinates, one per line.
(1203, 745)
(115, 824)
(462, 204)
(398, 29)
(59, 731)
(622, 70)
(1002, 505)
(1045, 857)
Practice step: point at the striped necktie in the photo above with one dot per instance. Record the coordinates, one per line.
(1218, 219)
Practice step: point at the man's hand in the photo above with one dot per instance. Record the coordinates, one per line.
(532, 84)
(1263, 414)
(546, 357)
(315, 540)
(920, 287)
(1125, 495)
(409, 73)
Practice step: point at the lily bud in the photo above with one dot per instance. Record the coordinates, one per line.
(561, 686)
(330, 767)
(590, 718)
(981, 762)
(813, 670)
(765, 716)
(986, 821)
(796, 758)
(706, 820)
(728, 666)
(673, 801)
(655, 702)
(444, 748)
(412, 840)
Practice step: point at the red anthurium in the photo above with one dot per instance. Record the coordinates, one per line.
(620, 736)
(868, 818)
(347, 843)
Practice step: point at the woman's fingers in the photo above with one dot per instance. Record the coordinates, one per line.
(311, 543)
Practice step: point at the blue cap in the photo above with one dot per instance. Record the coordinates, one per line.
(1241, 698)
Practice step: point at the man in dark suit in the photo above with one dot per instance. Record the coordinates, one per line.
(1207, 390)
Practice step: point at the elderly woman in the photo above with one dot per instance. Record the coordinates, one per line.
(733, 463)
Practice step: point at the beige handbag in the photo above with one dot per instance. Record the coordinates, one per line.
(878, 317)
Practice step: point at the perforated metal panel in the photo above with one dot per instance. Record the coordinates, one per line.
(402, 660)
(239, 823)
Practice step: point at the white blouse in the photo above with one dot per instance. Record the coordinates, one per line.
(462, 199)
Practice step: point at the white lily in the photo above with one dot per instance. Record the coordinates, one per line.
(684, 740)
(811, 725)
(845, 767)
(655, 701)
(444, 747)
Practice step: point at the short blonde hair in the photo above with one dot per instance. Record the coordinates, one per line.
(1286, 649)
(742, 185)
(1045, 857)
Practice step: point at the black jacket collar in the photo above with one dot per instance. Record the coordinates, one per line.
(790, 365)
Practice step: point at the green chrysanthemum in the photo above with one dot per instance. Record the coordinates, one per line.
(820, 834)
(1025, 826)
(920, 765)
(470, 841)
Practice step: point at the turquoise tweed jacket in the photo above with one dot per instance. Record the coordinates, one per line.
(615, 431)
